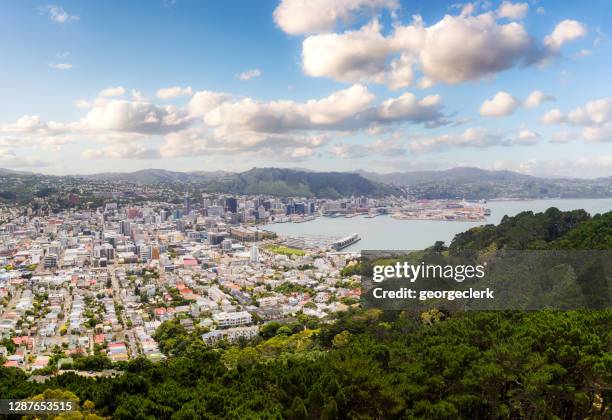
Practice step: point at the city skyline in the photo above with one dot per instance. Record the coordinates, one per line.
(339, 85)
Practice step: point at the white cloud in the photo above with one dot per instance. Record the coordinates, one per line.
(408, 108)
(554, 116)
(354, 56)
(388, 148)
(112, 91)
(285, 115)
(598, 134)
(564, 32)
(536, 98)
(339, 106)
(197, 141)
(60, 66)
(512, 11)
(502, 104)
(563, 137)
(138, 96)
(454, 50)
(595, 116)
(34, 125)
(8, 159)
(220, 123)
(525, 137)
(595, 112)
(249, 74)
(598, 111)
(174, 92)
(58, 15)
(309, 16)
(461, 48)
(581, 167)
(471, 137)
(136, 117)
(204, 101)
(121, 151)
(348, 109)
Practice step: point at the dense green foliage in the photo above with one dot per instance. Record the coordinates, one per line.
(372, 365)
(526, 230)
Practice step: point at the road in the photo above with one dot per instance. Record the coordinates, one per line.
(129, 332)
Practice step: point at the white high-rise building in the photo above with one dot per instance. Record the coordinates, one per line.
(254, 254)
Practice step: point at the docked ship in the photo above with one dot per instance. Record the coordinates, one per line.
(345, 242)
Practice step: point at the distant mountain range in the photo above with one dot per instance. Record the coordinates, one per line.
(457, 175)
(475, 183)
(156, 176)
(272, 181)
(458, 183)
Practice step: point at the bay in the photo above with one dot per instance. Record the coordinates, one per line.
(385, 232)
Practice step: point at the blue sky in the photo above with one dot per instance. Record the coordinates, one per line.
(380, 85)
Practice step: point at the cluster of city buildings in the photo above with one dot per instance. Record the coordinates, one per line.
(101, 281)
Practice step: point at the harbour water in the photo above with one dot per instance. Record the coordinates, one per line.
(385, 232)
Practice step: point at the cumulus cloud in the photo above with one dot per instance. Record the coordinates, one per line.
(220, 123)
(9, 159)
(595, 116)
(281, 116)
(594, 112)
(456, 49)
(461, 48)
(502, 104)
(353, 56)
(174, 92)
(471, 137)
(249, 74)
(338, 106)
(138, 96)
(121, 151)
(536, 98)
(408, 108)
(347, 109)
(58, 15)
(137, 117)
(387, 148)
(512, 11)
(33, 131)
(554, 116)
(564, 32)
(598, 134)
(34, 124)
(581, 167)
(525, 137)
(309, 16)
(204, 101)
(197, 141)
(112, 91)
